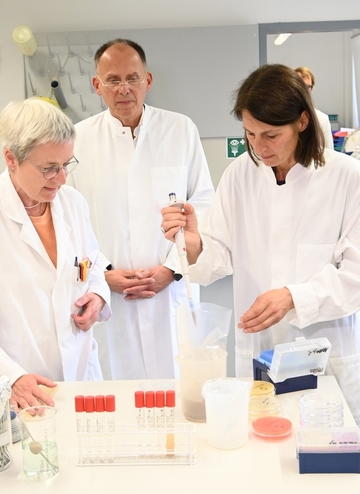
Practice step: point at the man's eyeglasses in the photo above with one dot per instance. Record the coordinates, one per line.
(114, 85)
(53, 170)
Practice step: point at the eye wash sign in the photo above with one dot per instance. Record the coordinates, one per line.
(235, 146)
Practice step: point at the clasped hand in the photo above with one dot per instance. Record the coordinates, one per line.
(139, 283)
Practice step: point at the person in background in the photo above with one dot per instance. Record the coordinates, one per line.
(47, 306)
(285, 223)
(134, 155)
(309, 79)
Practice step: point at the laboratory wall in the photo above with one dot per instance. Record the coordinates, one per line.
(328, 55)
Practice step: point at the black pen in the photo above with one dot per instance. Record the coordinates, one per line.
(76, 264)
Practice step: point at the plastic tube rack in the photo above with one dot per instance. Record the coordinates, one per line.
(129, 445)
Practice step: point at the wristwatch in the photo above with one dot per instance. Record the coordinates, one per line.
(177, 276)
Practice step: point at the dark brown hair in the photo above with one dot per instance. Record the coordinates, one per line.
(276, 95)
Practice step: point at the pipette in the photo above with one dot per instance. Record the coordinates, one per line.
(181, 248)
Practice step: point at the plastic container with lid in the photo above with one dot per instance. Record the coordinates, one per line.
(328, 450)
(293, 366)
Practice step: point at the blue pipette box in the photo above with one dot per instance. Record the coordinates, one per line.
(293, 366)
(328, 449)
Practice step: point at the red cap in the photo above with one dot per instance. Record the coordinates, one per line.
(139, 399)
(170, 398)
(110, 403)
(89, 404)
(100, 403)
(79, 403)
(149, 399)
(160, 398)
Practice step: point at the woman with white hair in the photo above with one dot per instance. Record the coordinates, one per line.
(52, 286)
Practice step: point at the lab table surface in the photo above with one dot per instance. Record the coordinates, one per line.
(256, 467)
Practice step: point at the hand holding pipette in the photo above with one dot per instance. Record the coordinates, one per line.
(181, 248)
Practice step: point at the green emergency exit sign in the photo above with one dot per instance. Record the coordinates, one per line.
(235, 146)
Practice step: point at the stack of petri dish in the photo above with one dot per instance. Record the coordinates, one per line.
(321, 410)
(268, 406)
(262, 402)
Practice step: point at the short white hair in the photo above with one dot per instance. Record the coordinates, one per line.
(27, 124)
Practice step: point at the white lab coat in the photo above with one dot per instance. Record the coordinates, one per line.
(37, 333)
(326, 128)
(125, 187)
(304, 235)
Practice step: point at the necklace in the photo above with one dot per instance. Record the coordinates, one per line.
(34, 206)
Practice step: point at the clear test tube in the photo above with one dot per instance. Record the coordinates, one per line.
(80, 413)
(170, 402)
(100, 426)
(160, 409)
(110, 425)
(149, 409)
(90, 426)
(110, 413)
(140, 409)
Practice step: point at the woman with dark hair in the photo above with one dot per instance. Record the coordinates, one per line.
(286, 224)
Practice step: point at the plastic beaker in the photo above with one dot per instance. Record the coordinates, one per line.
(202, 336)
(194, 372)
(227, 410)
(38, 439)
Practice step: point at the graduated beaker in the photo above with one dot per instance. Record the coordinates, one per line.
(38, 440)
(202, 335)
(227, 411)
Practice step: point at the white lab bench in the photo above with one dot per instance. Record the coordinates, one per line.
(255, 468)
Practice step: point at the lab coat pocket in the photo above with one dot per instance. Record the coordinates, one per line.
(79, 288)
(166, 179)
(311, 259)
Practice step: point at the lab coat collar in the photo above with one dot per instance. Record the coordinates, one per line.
(11, 202)
(297, 172)
(14, 209)
(140, 130)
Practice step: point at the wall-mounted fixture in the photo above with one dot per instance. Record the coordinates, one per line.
(24, 40)
(279, 40)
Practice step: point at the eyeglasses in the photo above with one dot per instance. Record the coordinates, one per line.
(53, 170)
(114, 85)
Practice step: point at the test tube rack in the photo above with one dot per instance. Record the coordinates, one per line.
(129, 445)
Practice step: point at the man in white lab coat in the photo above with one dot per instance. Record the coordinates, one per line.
(133, 156)
(309, 79)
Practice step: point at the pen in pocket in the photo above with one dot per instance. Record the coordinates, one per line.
(76, 269)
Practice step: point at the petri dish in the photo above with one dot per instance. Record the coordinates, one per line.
(272, 429)
(262, 388)
(321, 410)
(264, 406)
(157, 385)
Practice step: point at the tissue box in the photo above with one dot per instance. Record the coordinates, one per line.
(293, 366)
